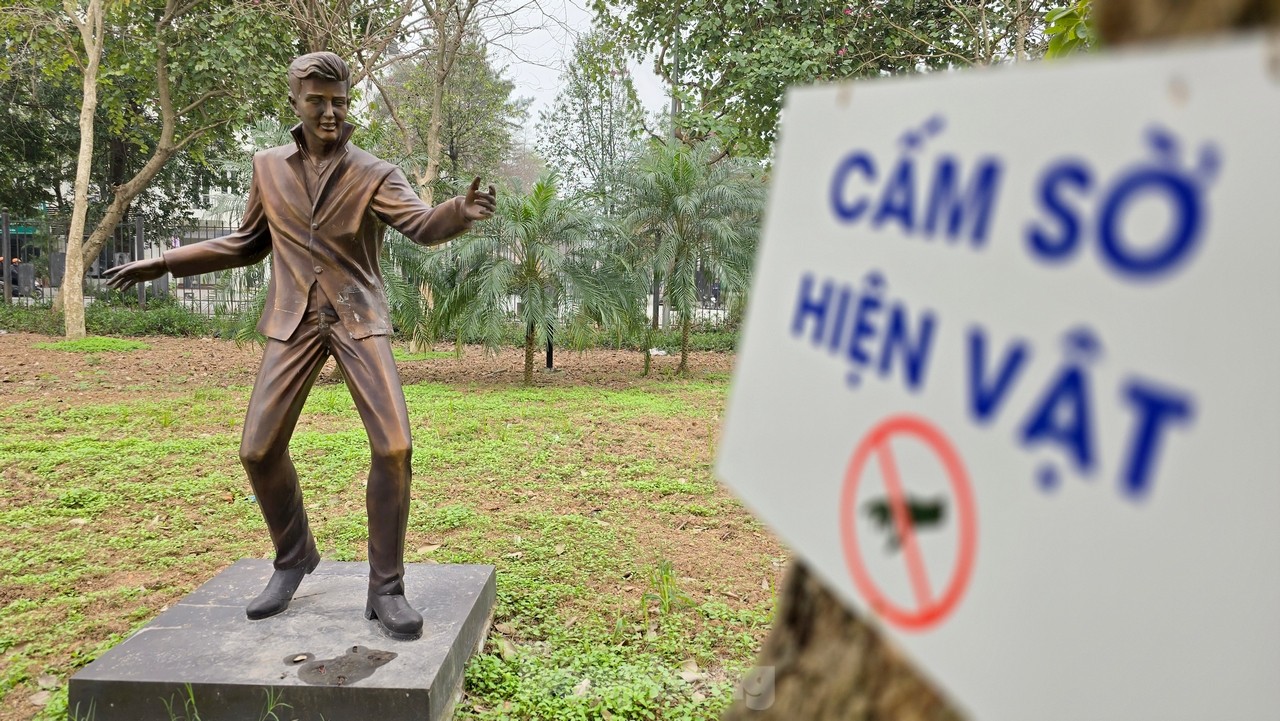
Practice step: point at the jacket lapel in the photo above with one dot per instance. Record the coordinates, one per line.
(296, 164)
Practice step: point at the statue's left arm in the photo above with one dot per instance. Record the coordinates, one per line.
(398, 206)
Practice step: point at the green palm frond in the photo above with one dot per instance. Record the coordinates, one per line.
(530, 264)
(685, 215)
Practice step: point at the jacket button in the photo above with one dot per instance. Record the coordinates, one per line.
(318, 269)
(315, 226)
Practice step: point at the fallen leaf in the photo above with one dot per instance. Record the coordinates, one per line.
(689, 666)
(582, 688)
(299, 658)
(699, 697)
(506, 649)
(423, 550)
(517, 540)
(517, 554)
(559, 549)
(40, 698)
(764, 584)
(47, 681)
(505, 629)
(606, 714)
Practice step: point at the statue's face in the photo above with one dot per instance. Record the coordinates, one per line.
(321, 105)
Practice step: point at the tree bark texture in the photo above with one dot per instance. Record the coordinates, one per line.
(167, 146)
(827, 662)
(530, 345)
(684, 346)
(1129, 21)
(73, 279)
(451, 20)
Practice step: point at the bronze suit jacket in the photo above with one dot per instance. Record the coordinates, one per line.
(333, 240)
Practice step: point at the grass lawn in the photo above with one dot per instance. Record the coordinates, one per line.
(630, 584)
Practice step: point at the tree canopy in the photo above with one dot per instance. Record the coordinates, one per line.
(477, 118)
(731, 62)
(592, 133)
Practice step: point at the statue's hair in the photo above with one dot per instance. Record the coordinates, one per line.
(322, 65)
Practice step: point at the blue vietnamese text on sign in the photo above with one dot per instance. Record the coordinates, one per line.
(957, 203)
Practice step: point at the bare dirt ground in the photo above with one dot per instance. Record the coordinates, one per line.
(180, 364)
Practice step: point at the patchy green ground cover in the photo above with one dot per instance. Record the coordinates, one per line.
(95, 344)
(403, 354)
(630, 585)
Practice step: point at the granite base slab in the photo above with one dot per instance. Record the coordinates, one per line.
(319, 660)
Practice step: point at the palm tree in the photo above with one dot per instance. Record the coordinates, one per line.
(687, 213)
(532, 258)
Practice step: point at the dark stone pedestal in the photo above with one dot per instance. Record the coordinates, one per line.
(318, 660)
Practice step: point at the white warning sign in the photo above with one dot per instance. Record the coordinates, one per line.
(1010, 379)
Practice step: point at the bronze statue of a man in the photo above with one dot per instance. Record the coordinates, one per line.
(320, 205)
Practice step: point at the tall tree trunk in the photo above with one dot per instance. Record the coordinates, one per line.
(551, 335)
(653, 325)
(166, 147)
(530, 345)
(427, 187)
(1022, 25)
(120, 200)
(684, 347)
(73, 279)
(427, 180)
(829, 664)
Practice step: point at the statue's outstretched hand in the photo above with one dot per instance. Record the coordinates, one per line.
(479, 205)
(139, 271)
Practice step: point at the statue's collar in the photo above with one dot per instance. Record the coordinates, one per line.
(343, 137)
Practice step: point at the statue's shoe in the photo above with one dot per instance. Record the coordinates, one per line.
(395, 615)
(280, 589)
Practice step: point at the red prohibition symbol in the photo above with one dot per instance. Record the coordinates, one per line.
(931, 607)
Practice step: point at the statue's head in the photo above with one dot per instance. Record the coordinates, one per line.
(321, 65)
(318, 86)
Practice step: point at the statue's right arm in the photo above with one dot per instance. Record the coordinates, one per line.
(246, 246)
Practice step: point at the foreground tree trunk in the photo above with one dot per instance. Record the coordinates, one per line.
(1130, 21)
(827, 662)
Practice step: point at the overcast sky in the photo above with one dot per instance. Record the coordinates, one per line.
(534, 61)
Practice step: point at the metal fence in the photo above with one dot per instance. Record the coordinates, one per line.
(34, 262)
